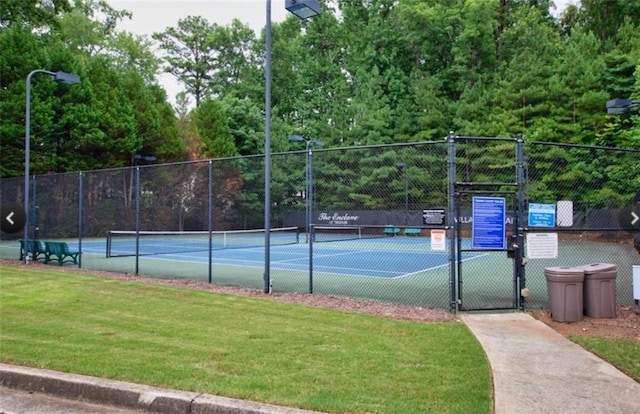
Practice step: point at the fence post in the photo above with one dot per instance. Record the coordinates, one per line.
(210, 218)
(451, 139)
(519, 228)
(310, 234)
(80, 196)
(137, 219)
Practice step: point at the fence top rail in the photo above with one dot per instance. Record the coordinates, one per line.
(356, 147)
(584, 146)
(470, 138)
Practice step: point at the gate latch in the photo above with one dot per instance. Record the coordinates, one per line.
(513, 247)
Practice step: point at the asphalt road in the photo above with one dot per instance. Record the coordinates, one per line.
(13, 401)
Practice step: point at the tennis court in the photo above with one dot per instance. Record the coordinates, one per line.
(360, 257)
(399, 269)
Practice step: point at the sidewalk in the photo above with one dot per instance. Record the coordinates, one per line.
(537, 370)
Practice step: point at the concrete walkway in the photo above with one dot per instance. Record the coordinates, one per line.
(537, 370)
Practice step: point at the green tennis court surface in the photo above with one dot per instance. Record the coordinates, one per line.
(402, 269)
(403, 256)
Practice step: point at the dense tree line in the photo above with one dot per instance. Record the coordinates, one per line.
(363, 72)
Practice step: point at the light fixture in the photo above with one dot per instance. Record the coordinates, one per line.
(621, 105)
(303, 8)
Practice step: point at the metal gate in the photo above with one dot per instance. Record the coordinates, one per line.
(487, 230)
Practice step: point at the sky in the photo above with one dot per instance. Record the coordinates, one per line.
(151, 16)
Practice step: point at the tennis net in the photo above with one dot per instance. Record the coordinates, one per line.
(343, 233)
(122, 243)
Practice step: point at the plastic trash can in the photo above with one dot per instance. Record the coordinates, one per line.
(565, 291)
(600, 290)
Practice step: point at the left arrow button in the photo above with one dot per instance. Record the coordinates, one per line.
(12, 218)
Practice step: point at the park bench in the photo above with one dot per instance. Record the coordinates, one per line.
(391, 231)
(35, 249)
(61, 252)
(412, 231)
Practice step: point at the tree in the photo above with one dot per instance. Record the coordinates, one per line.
(90, 26)
(530, 49)
(211, 120)
(32, 13)
(190, 54)
(246, 124)
(605, 17)
(235, 60)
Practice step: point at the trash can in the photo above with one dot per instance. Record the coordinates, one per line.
(565, 291)
(600, 290)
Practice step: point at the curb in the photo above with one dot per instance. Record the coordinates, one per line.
(127, 395)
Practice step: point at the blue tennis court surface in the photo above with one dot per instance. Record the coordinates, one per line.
(379, 258)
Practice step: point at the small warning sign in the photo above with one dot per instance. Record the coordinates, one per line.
(438, 240)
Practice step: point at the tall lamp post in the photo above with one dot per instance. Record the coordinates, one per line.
(303, 9)
(308, 178)
(406, 189)
(60, 77)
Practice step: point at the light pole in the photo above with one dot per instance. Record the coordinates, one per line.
(60, 77)
(406, 189)
(308, 178)
(303, 9)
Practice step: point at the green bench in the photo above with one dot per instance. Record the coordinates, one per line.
(391, 231)
(61, 252)
(412, 231)
(48, 251)
(35, 249)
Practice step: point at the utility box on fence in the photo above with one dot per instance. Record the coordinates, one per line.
(565, 290)
(600, 290)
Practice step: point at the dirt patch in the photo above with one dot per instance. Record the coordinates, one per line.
(626, 324)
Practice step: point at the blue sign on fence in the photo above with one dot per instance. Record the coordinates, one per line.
(542, 215)
(488, 228)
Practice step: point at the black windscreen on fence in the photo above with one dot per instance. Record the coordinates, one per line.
(370, 222)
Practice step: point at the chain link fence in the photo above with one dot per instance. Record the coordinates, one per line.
(391, 223)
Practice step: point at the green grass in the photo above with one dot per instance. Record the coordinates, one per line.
(624, 354)
(239, 347)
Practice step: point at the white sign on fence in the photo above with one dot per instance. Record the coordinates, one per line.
(542, 245)
(438, 240)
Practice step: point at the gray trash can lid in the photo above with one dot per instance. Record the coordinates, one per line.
(564, 274)
(598, 268)
(599, 271)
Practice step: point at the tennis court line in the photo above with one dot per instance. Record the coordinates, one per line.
(343, 271)
(440, 266)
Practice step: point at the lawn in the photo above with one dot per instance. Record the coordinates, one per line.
(623, 353)
(239, 347)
